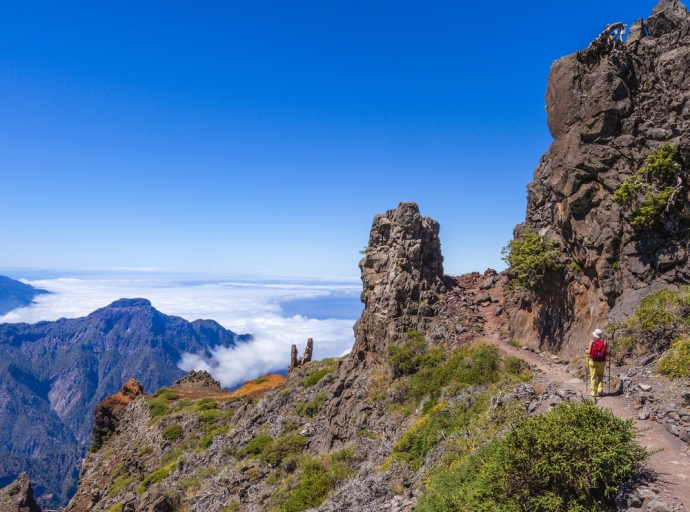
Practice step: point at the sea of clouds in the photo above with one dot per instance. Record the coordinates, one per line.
(320, 308)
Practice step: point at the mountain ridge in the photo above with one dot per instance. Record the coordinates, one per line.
(52, 375)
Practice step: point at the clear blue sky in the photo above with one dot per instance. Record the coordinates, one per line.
(263, 136)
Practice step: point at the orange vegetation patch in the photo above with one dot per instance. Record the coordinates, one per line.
(259, 387)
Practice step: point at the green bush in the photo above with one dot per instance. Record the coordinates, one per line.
(530, 258)
(413, 355)
(282, 447)
(575, 267)
(121, 484)
(172, 432)
(464, 366)
(146, 450)
(255, 446)
(207, 419)
(318, 479)
(654, 183)
(417, 442)
(158, 407)
(662, 317)
(676, 362)
(515, 365)
(167, 394)
(206, 441)
(573, 458)
(205, 404)
(154, 478)
(116, 508)
(312, 408)
(314, 378)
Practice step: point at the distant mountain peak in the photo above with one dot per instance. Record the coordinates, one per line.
(130, 303)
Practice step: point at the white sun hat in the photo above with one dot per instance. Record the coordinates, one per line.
(598, 333)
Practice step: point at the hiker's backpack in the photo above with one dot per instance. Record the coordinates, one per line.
(598, 351)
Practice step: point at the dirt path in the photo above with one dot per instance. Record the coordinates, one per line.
(671, 463)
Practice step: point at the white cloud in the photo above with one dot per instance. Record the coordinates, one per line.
(242, 306)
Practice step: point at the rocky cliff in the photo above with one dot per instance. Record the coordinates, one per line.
(52, 375)
(18, 496)
(610, 107)
(402, 279)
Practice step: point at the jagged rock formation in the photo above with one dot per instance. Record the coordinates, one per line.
(18, 496)
(198, 380)
(52, 375)
(609, 107)
(402, 278)
(109, 411)
(295, 360)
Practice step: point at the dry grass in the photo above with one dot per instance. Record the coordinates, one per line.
(259, 387)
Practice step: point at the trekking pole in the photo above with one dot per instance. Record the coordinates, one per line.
(608, 356)
(587, 375)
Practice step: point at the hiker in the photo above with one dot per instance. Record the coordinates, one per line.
(597, 363)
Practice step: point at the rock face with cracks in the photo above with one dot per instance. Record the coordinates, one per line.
(402, 278)
(18, 496)
(109, 411)
(609, 107)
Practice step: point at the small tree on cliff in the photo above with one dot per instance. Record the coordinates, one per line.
(652, 190)
(529, 258)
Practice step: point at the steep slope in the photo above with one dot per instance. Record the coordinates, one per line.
(15, 294)
(609, 108)
(52, 375)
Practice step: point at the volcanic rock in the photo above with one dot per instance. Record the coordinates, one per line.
(402, 277)
(198, 380)
(109, 411)
(18, 496)
(609, 107)
(296, 361)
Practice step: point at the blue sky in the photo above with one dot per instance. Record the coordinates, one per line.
(261, 136)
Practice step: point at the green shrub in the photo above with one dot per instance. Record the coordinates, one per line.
(529, 259)
(314, 378)
(206, 441)
(172, 456)
(575, 267)
(413, 355)
(312, 408)
(172, 432)
(464, 366)
(154, 478)
(654, 183)
(514, 343)
(318, 479)
(167, 394)
(573, 458)
(158, 407)
(515, 365)
(205, 404)
(662, 317)
(207, 419)
(116, 508)
(255, 446)
(417, 442)
(146, 450)
(121, 484)
(676, 362)
(282, 447)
